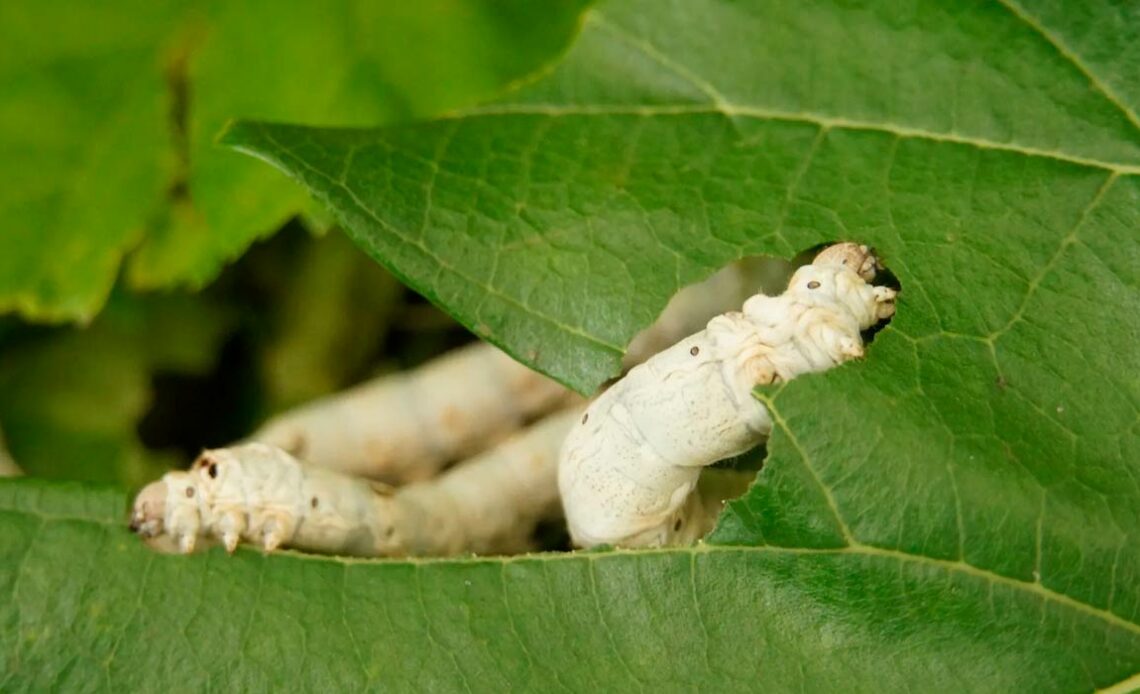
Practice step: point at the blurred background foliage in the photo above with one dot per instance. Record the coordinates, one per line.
(160, 294)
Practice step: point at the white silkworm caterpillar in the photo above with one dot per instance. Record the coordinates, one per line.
(628, 469)
(263, 495)
(405, 427)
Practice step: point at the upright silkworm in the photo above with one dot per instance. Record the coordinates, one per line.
(629, 468)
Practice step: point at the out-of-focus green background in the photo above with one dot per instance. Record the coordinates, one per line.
(159, 294)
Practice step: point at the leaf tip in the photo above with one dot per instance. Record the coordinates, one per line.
(235, 134)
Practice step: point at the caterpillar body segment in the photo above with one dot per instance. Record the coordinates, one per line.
(692, 307)
(262, 495)
(629, 468)
(406, 427)
(491, 503)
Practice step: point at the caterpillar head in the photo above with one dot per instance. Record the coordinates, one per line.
(855, 256)
(149, 510)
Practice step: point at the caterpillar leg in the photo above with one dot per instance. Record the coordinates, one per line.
(260, 494)
(884, 302)
(629, 471)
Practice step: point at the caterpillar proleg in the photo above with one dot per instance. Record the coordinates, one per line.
(406, 427)
(629, 467)
(263, 495)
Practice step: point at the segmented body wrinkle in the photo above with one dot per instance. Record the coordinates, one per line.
(407, 426)
(262, 495)
(629, 469)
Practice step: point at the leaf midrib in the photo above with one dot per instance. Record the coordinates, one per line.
(826, 123)
(719, 104)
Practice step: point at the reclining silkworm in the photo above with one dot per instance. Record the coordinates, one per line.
(405, 427)
(263, 495)
(628, 470)
(629, 478)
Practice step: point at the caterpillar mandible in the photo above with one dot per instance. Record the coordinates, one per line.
(628, 470)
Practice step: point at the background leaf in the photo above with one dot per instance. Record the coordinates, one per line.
(108, 114)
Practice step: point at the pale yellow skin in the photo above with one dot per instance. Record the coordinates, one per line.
(407, 426)
(628, 471)
(262, 495)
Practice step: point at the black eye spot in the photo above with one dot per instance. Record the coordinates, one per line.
(813, 285)
(213, 471)
(695, 351)
(677, 525)
(585, 417)
(314, 502)
(189, 492)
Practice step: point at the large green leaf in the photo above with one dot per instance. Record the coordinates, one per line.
(84, 151)
(108, 114)
(959, 512)
(107, 614)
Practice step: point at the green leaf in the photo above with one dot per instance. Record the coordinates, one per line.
(557, 224)
(71, 400)
(84, 149)
(107, 121)
(108, 614)
(991, 152)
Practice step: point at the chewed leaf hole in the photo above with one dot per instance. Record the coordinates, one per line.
(692, 306)
(815, 340)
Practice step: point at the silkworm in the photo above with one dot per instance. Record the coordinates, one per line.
(629, 468)
(261, 494)
(406, 426)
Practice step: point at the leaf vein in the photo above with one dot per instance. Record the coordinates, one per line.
(759, 113)
(1072, 57)
(440, 263)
